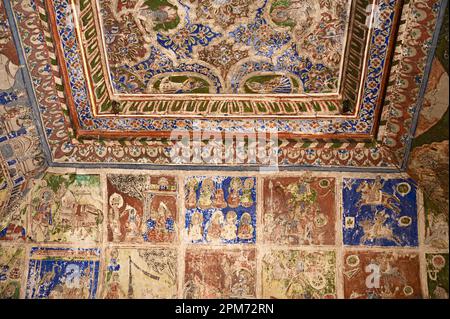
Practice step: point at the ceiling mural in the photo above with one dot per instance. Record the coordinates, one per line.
(21, 154)
(176, 47)
(282, 149)
(272, 64)
(87, 118)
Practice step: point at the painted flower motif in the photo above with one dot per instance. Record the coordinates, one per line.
(319, 36)
(185, 39)
(262, 37)
(319, 80)
(438, 262)
(223, 56)
(124, 40)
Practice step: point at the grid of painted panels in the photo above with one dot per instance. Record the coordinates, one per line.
(169, 234)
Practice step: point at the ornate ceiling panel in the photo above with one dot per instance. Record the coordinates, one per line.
(337, 81)
(123, 67)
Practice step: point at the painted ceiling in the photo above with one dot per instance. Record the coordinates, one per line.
(126, 167)
(122, 82)
(223, 47)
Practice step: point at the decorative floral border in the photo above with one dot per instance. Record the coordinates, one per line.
(88, 124)
(414, 44)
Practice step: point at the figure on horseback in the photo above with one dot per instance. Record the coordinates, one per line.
(372, 194)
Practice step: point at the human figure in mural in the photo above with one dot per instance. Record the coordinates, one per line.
(133, 224)
(302, 196)
(191, 198)
(206, 194)
(163, 184)
(245, 231)
(214, 227)
(229, 231)
(377, 229)
(246, 198)
(73, 284)
(151, 228)
(43, 218)
(270, 225)
(114, 261)
(307, 234)
(114, 291)
(14, 231)
(68, 208)
(195, 232)
(437, 230)
(219, 199)
(160, 225)
(291, 223)
(166, 221)
(234, 191)
(225, 273)
(116, 203)
(372, 194)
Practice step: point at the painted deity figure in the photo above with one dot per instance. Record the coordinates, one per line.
(372, 191)
(195, 232)
(246, 198)
(133, 223)
(43, 219)
(163, 184)
(166, 219)
(219, 199)
(161, 224)
(215, 227)
(116, 203)
(245, 231)
(191, 198)
(114, 291)
(234, 192)
(206, 194)
(151, 228)
(229, 231)
(269, 225)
